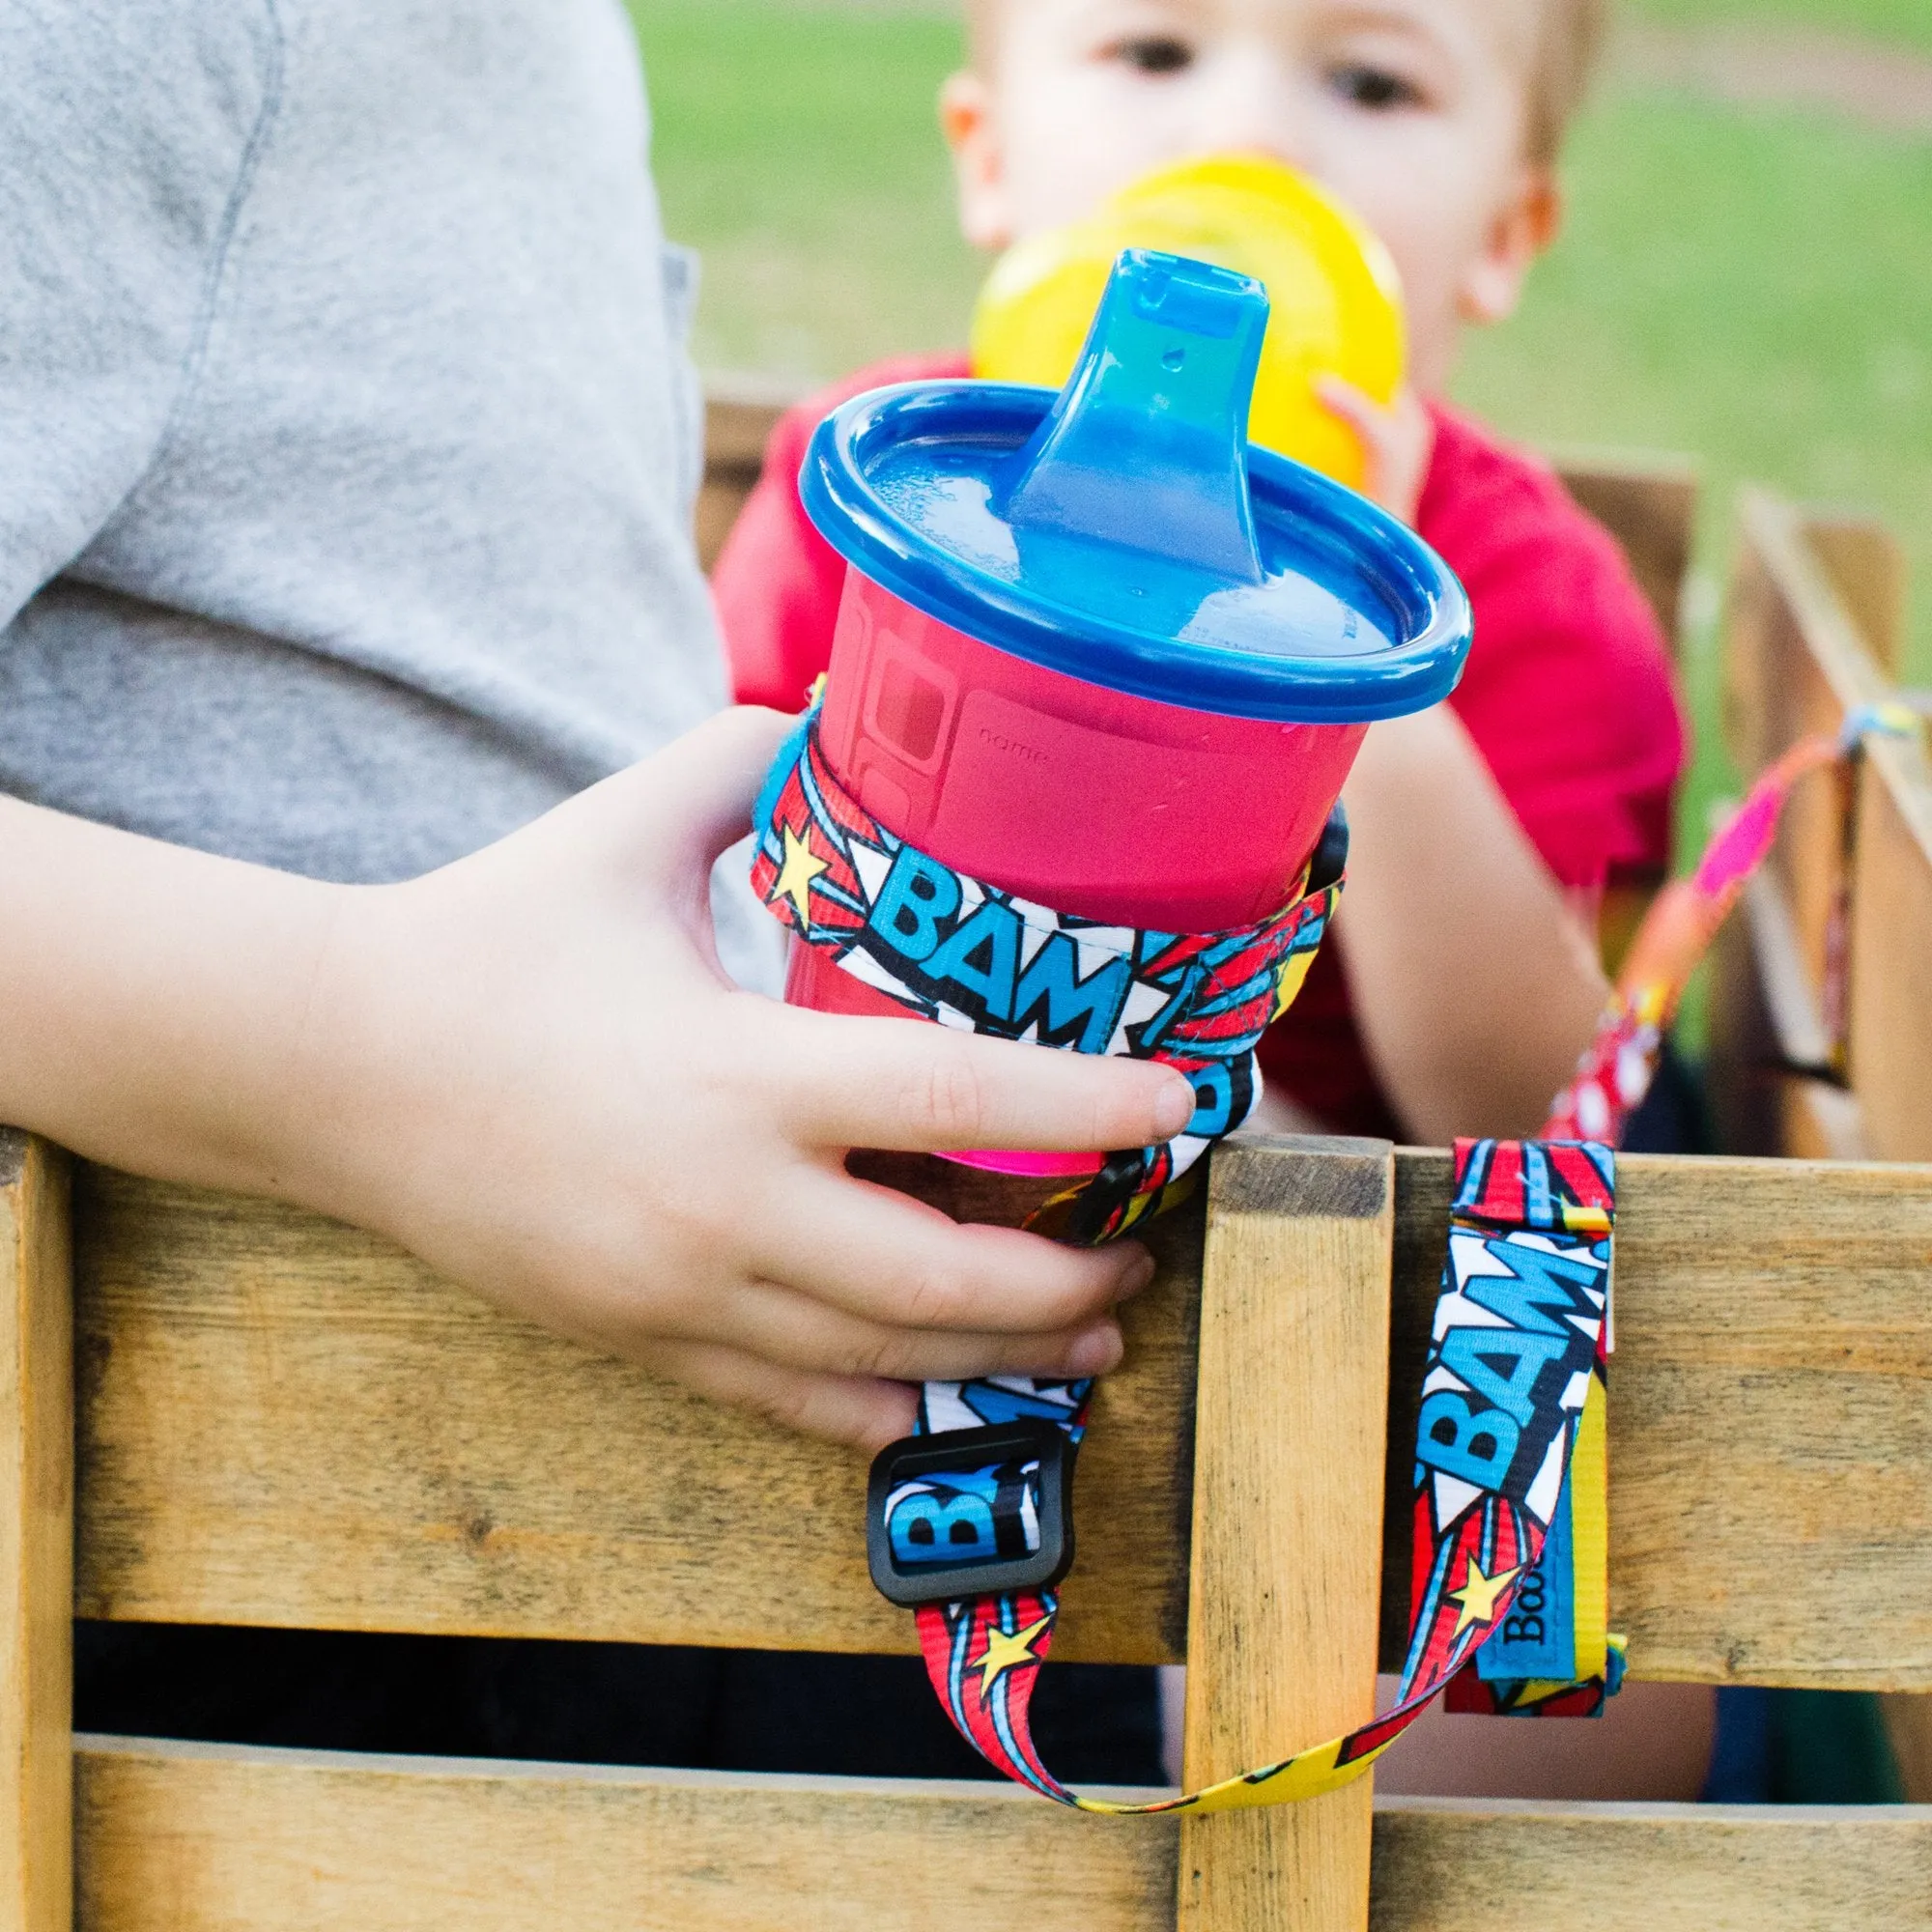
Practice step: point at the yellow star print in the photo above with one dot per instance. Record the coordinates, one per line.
(1478, 1595)
(1004, 1652)
(801, 865)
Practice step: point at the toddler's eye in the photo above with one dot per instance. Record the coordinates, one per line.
(1374, 88)
(1155, 53)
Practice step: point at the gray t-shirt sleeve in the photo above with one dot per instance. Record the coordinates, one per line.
(125, 151)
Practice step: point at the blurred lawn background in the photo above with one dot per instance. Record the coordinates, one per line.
(1749, 283)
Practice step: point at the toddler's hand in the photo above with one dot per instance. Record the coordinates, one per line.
(537, 1077)
(1397, 441)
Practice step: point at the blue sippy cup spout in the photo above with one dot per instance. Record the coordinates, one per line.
(1146, 446)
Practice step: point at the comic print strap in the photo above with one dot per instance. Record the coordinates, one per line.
(1511, 1469)
(1555, 1656)
(967, 955)
(1512, 1378)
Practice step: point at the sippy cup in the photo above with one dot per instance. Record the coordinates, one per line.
(1098, 652)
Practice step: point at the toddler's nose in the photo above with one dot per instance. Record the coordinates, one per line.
(1257, 109)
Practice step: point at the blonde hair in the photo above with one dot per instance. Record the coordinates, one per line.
(1570, 36)
(1568, 42)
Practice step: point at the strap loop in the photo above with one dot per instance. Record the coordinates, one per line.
(1515, 1371)
(1511, 1465)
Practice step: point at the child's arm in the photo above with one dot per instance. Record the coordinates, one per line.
(1475, 985)
(529, 1069)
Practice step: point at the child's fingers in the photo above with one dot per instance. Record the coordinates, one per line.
(1355, 407)
(891, 1259)
(1396, 441)
(921, 1088)
(798, 1331)
(861, 1410)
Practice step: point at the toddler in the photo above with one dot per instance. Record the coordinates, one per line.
(1465, 981)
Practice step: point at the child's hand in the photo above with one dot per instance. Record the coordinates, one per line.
(534, 1074)
(1397, 441)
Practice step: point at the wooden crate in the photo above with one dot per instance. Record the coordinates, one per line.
(254, 1448)
(1815, 626)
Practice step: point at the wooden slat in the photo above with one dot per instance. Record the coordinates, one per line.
(1293, 1402)
(1818, 1120)
(1818, 606)
(1796, 663)
(738, 420)
(36, 1539)
(1865, 563)
(284, 1422)
(1796, 659)
(287, 1422)
(1457, 1865)
(1649, 503)
(1798, 1035)
(1892, 953)
(1765, 1026)
(225, 1839)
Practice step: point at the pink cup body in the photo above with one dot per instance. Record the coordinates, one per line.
(1070, 794)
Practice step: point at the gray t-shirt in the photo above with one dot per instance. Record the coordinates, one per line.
(347, 439)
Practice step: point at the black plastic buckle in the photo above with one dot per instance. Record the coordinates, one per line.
(972, 1512)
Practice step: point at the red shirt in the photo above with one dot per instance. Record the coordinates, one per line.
(1567, 691)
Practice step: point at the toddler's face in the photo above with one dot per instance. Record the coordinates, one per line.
(1413, 111)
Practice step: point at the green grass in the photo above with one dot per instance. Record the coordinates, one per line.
(1903, 23)
(1750, 286)
(797, 146)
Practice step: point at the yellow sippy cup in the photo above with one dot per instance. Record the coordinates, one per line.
(1334, 294)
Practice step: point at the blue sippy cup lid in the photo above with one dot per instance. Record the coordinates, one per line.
(1126, 533)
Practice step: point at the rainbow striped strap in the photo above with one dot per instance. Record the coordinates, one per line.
(966, 953)
(1615, 1072)
(1510, 1424)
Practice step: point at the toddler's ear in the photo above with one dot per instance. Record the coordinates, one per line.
(967, 120)
(1523, 228)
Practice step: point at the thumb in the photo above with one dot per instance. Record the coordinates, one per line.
(697, 800)
(699, 789)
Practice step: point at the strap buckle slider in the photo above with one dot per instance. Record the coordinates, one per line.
(971, 1513)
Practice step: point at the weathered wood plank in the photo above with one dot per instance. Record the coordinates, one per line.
(737, 423)
(1891, 952)
(36, 1539)
(1865, 563)
(1649, 503)
(1457, 1866)
(1795, 662)
(1290, 1411)
(284, 1422)
(226, 1839)
(1765, 1026)
(1796, 659)
(1816, 618)
(287, 1422)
